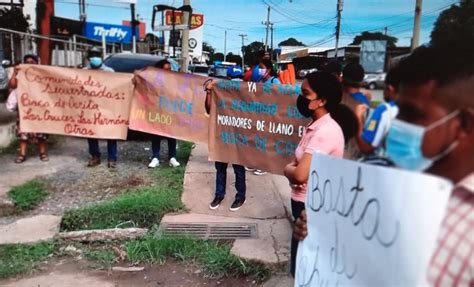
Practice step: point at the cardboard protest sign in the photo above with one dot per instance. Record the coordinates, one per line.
(170, 104)
(85, 103)
(369, 225)
(256, 125)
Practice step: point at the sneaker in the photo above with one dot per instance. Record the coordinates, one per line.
(112, 164)
(174, 162)
(237, 204)
(259, 172)
(250, 169)
(216, 202)
(94, 161)
(154, 163)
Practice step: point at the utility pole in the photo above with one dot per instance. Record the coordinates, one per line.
(416, 27)
(134, 28)
(243, 52)
(340, 4)
(82, 10)
(271, 41)
(267, 23)
(225, 45)
(185, 39)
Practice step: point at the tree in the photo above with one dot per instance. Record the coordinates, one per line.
(217, 57)
(234, 58)
(391, 41)
(208, 48)
(455, 25)
(13, 19)
(290, 42)
(251, 52)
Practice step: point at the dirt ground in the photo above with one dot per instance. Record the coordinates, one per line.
(72, 272)
(70, 185)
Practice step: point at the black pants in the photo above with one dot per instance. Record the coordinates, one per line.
(296, 208)
(221, 178)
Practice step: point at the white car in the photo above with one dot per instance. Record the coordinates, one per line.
(374, 81)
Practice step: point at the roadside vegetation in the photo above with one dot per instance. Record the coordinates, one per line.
(28, 195)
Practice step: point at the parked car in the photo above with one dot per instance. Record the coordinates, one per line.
(304, 72)
(4, 80)
(128, 63)
(374, 81)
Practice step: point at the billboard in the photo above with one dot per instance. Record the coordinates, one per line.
(195, 34)
(65, 27)
(113, 33)
(372, 55)
(141, 28)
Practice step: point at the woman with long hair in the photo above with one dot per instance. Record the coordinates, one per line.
(331, 126)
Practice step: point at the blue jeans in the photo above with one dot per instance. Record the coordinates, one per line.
(221, 178)
(94, 149)
(155, 146)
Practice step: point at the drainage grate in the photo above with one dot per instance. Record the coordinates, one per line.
(212, 230)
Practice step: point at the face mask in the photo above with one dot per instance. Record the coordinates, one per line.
(95, 61)
(405, 140)
(302, 104)
(262, 72)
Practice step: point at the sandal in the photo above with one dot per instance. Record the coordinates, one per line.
(44, 157)
(20, 159)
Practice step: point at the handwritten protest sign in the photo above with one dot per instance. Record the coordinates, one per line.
(170, 104)
(369, 225)
(74, 102)
(256, 125)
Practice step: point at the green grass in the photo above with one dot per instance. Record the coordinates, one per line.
(17, 259)
(28, 195)
(142, 207)
(104, 258)
(213, 257)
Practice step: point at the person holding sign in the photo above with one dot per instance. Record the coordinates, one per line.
(23, 137)
(221, 167)
(156, 139)
(434, 132)
(332, 124)
(94, 56)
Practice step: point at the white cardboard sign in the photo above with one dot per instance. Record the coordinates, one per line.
(369, 225)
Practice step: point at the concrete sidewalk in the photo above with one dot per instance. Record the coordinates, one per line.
(267, 207)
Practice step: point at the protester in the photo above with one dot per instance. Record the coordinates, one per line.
(356, 99)
(94, 56)
(261, 55)
(334, 68)
(332, 124)
(221, 167)
(12, 105)
(371, 140)
(264, 73)
(434, 132)
(156, 139)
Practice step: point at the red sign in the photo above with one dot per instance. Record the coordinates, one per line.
(197, 20)
(141, 28)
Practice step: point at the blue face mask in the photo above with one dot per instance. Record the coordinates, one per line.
(405, 141)
(95, 62)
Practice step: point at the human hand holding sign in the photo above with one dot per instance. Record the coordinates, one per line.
(300, 228)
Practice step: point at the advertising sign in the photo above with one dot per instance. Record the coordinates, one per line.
(113, 33)
(195, 34)
(65, 27)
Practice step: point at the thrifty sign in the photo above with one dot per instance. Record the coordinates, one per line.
(169, 104)
(369, 225)
(256, 125)
(74, 102)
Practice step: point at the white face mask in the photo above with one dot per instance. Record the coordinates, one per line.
(262, 72)
(405, 141)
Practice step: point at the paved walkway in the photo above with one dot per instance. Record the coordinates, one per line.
(268, 206)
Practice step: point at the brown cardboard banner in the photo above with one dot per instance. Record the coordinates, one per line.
(74, 102)
(170, 104)
(256, 125)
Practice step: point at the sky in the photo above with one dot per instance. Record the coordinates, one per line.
(309, 21)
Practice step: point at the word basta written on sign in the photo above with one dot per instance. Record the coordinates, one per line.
(169, 104)
(74, 102)
(369, 225)
(256, 125)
